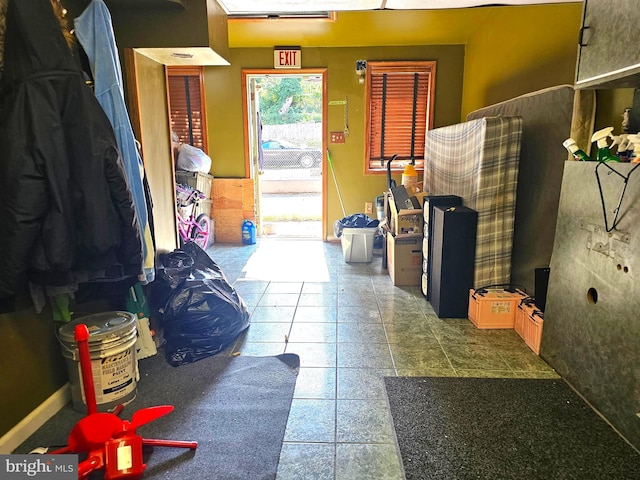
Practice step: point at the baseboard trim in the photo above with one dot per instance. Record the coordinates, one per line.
(32, 422)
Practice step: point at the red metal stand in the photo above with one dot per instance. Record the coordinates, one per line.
(111, 444)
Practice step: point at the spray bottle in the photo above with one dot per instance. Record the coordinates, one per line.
(570, 144)
(625, 147)
(634, 142)
(600, 138)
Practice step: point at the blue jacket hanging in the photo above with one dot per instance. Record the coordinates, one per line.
(94, 31)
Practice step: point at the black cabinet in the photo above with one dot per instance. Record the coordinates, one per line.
(454, 253)
(430, 202)
(609, 52)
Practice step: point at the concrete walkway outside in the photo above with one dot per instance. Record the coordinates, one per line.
(292, 215)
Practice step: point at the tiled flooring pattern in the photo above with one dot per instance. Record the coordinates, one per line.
(351, 327)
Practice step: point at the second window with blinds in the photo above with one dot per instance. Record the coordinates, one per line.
(399, 112)
(185, 89)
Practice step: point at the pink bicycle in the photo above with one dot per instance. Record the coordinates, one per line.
(191, 229)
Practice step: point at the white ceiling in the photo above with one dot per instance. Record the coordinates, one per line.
(298, 6)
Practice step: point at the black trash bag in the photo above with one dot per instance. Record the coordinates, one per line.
(357, 220)
(199, 310)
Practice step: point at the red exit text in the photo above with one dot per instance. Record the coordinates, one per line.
(289, 58)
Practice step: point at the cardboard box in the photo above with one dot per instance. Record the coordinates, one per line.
(405, 221)
(404, 259)
(232, 204)
(493, 308)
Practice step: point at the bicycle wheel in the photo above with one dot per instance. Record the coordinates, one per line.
(201, 231)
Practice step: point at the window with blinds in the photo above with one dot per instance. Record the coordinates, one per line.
(399, 113)
(186, 105)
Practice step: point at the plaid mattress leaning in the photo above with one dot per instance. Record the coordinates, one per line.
(478, 161)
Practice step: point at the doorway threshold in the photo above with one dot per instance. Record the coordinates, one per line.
(311, 230)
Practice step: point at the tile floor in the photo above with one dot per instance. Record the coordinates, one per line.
(351, 327)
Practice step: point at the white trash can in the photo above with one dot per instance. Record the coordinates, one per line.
(357, 244)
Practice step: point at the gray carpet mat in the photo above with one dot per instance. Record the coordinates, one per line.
(475, 428)
(235, 407)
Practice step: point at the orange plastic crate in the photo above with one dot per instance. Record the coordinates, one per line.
(473, 306)
(493, 308)
(525, 307)
(518, 322)
(533, 324)
(529, 323)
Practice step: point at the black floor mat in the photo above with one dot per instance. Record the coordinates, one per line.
(475, 428)
(235, 407)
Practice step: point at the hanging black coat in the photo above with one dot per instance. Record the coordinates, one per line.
(65, 207)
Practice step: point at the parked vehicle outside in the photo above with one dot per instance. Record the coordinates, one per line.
(283, 154)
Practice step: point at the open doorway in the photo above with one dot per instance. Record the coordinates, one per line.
(284, 113)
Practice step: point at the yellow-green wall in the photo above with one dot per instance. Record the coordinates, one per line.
(510, 50)
(484, 55)
(31, 365)
(224, 107)
(610, 105)
(360, 29)
(517, 51)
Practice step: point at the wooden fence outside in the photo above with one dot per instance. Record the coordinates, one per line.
(301, 134)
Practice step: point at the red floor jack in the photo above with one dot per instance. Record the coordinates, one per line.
(111, 444)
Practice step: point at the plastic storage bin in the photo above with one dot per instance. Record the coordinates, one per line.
(529, 323)
(493, 308)
(357, 244)
(198, 180)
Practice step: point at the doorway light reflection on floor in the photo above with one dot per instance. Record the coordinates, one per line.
(287, 261)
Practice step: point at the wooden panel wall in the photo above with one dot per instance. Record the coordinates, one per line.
(148, 106)
(233, 203)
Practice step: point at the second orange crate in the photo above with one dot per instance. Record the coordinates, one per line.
(529, 323)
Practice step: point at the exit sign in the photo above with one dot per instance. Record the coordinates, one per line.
(287, 57)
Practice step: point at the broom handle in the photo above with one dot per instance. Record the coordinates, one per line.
(335, 180)
(81, 334)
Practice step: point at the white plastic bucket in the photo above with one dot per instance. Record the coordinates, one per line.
(112, 338)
